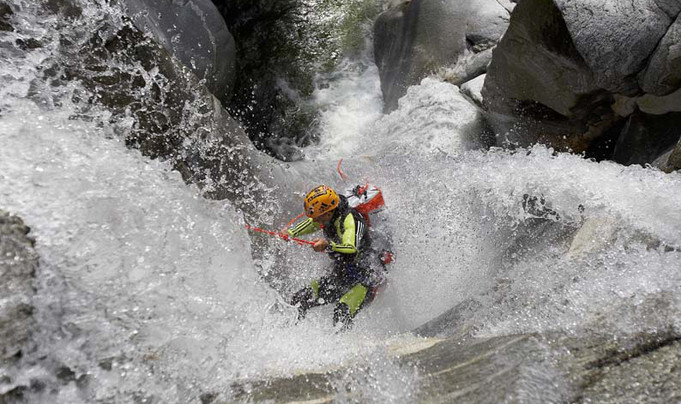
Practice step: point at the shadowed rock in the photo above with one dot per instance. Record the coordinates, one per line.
(194, 32)
(414, 39)
(615, 38)
(674, 162)
(663, 74)
(18, 263)
(5, 15)
(645, 137)
(562, 69)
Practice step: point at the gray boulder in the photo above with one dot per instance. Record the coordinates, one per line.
(18, 263)
(194, 32)
(537, 62)
(663, 74)
(616, 38)
(567, 73)
(413, 39)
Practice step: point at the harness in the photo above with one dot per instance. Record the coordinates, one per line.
(336, 230)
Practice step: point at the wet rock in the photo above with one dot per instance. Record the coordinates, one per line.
(67, 8)
(557, 74)
(284, 51)
(468, 67)
(645, 137)
(414, 39)
(674, 161)
(659, 105)
(208, 398)
(650, 377)
(663, 74)
(172, 114)
(195, 33)
(473, 89)
(616, 39)
(28, 44)
(5, 16)
(455, 317)
(18, 263)
(594, 235)
(516, 368)
(538, 74)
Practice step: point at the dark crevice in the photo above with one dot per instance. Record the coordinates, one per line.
(619, 357)
(616, 358)
(603, 147)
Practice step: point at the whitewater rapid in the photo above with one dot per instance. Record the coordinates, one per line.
(149, 291)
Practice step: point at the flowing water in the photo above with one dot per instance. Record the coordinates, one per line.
(148, 292)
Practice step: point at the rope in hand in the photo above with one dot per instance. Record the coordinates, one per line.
(282, 236)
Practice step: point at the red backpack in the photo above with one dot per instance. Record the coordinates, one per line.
(367, 200)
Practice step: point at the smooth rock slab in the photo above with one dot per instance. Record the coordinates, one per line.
(515, 368)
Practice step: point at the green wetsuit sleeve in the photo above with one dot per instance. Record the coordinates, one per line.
(305, 227)
(349, 238)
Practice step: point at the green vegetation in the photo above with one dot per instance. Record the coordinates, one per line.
(282, 47)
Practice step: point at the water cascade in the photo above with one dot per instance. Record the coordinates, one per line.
(148, 292)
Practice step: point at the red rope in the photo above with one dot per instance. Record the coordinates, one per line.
(294, 219)
(285, 237)
(340, 172)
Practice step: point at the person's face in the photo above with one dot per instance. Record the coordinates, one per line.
(325, 218)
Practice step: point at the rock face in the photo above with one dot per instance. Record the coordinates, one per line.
(273, 78)
(645, 137)
(514, 368)
(616, 38)
(413, 39)
(160, 106)
(285, 49)
(561, 71)
(18, 263)
(194, 32)
(663, 74)
(674, 162)
(5, 15)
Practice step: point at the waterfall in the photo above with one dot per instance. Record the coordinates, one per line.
(148, 292)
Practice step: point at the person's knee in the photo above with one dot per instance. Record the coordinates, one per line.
(349, 304)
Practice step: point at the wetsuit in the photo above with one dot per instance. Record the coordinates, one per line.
(352, 281)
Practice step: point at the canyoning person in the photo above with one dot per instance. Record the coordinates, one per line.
(356, 271)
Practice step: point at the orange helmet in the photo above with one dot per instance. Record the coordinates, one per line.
(320, 200)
